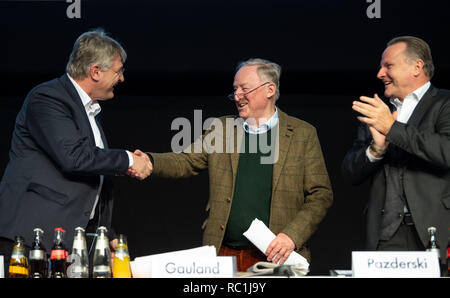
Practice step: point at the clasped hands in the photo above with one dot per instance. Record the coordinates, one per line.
(142, 166)
(377, 116)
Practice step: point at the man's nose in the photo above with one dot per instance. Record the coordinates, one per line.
(381, 73)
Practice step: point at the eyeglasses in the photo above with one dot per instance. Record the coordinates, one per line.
(120, 71)
(234, 95)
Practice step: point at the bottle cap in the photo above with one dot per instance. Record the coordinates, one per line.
(102, 228)
(60, 229)
(79, 229)
(19, 239)
(431, 230)
(38, 230)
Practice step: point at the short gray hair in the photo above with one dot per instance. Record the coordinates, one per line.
(93, 47)
(417, 48)
(266, 70)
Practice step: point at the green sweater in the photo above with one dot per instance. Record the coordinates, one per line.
(252, 192)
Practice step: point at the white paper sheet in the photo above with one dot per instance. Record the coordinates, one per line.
(261, 236)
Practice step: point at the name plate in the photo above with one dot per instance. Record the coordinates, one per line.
(395, 264)
(180, 267)
(2, 267)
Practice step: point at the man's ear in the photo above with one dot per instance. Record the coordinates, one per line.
(418, 67)
(271, 90)
(95, 72)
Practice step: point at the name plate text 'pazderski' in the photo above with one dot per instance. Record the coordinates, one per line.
(395, 264)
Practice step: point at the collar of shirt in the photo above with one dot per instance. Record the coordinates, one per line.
(266, 126)
(406, 108)
(92, 106)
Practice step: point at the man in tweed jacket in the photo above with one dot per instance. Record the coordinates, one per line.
(300, 192)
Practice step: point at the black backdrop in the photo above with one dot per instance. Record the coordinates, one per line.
(181, 57)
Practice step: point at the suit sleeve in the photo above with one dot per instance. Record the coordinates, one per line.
(431, 144)
(356, 166)
(51, 124)
(180, 165)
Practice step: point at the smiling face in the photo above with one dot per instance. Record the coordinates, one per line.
(259, 103)
(108, 79)
(398, 73)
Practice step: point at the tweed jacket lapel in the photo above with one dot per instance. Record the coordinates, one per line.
(284, 133)
(238, 135)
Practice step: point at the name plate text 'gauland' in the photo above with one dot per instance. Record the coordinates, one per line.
(180, 267)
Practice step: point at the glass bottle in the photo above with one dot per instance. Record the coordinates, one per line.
(18, 266)
(121, 262)
(102, 255)
(79, 257)
(38, 256)
(432, 244)
(59, 255)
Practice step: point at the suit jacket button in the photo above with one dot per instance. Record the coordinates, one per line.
(228, 199)
(222, 227)
(87, 213)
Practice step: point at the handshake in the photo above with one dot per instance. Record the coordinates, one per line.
(142, 166)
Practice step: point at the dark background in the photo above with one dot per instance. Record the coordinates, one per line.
(182, 56)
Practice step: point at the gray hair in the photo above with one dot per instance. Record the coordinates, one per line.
(417, 48)
(267, 70)
(93, 47)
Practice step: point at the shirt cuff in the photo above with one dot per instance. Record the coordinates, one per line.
(371, 157)
(130, 158)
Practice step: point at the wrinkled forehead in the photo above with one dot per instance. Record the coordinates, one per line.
(246, 75)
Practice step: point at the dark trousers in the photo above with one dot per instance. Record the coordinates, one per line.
(245, 256)
(404, 239)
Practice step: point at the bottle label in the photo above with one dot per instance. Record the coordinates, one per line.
(18, 270)
(58, 254)
(102, 268)
(37, 255)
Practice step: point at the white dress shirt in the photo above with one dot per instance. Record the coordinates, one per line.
(93, 108)
(266, 126)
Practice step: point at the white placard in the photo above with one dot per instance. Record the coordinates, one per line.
(2, 268)
(194, 267)
(141, 267)
(395, 264)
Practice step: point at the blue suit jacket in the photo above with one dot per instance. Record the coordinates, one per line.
(52, 177)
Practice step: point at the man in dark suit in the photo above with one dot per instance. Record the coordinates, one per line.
(59, 164)
(405, 153)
